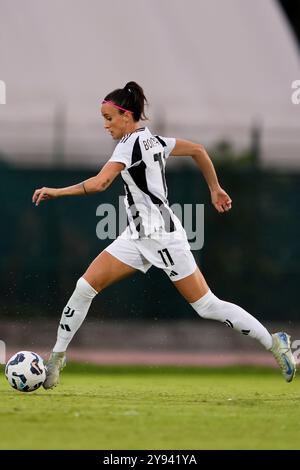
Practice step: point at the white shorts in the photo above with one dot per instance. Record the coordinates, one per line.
(164, 250)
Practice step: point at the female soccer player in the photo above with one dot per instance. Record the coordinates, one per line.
(154, 235)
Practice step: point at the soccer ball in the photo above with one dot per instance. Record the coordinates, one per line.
(25, 371)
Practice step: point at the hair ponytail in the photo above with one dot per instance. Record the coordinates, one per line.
(130, 97)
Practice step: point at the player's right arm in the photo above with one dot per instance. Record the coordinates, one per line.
(96, 184)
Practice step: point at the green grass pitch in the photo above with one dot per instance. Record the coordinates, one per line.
(154, 408)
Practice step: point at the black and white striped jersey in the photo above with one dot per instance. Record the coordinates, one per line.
(144, 156)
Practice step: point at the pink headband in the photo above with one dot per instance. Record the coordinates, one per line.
(116, 106)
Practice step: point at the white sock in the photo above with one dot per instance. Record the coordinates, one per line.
(74, 313)
(210, 307)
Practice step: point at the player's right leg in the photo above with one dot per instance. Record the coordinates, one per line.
(281, 350)
(103, 271)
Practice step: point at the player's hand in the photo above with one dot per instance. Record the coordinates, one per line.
(43, 194)
(221, 200)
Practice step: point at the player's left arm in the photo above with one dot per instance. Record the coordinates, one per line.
(95, 184)
(219, 197)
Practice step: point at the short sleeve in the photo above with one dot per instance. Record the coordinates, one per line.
(168, 144)
(121, 155)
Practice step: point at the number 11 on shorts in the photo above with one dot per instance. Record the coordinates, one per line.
(167, 253)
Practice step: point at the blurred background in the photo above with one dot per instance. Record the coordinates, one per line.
(218, 73)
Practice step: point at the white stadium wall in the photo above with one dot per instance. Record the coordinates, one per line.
(211, 70)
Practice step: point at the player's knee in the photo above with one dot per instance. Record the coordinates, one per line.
(207, 304)
(85, 288)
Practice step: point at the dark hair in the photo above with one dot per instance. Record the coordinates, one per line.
(130, 97)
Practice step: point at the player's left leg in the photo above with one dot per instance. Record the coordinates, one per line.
(196, 291)
(102, 272)
(105, 270)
